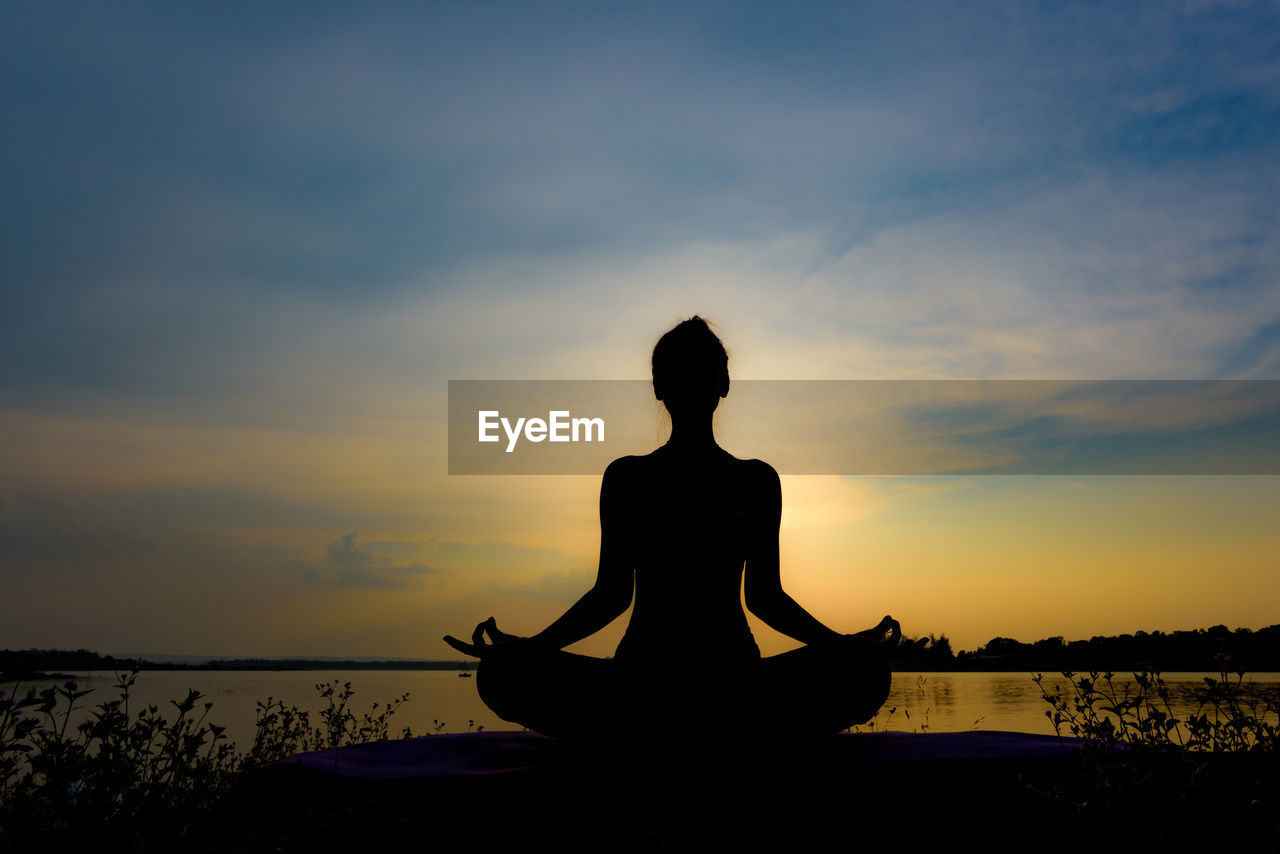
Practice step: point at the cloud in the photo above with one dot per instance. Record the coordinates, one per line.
(283, 215)
(359, 566)
(562, 587)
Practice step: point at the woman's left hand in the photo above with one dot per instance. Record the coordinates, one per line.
(478, 647)
(886, 632)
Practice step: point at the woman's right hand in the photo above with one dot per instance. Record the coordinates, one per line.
(478, 647)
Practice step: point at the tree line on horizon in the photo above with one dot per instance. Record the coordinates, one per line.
(1214, 649)
(33, 663)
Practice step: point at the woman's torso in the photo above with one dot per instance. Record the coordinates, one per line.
(689, 523)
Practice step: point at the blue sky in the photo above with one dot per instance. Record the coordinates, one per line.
(236, 227)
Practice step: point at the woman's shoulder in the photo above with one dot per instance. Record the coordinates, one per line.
(757, 469)
(624, 467)
(640, 462)
(634, 464)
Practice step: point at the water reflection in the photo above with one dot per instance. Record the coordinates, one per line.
(954, 702)
(918, 702)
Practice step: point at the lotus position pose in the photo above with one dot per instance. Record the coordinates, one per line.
(678, 529)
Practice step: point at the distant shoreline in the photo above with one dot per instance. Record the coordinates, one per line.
(268, 665)
(989, 666)
(1213, 650)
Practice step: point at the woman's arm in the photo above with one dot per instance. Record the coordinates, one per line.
(763, 583)
(615, 578)
(599, 606)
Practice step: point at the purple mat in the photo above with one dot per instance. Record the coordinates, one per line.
(481, 753)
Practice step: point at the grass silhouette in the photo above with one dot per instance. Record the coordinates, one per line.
(126, 774)
(124, 767)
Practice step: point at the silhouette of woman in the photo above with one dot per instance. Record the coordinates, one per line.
(677, 527)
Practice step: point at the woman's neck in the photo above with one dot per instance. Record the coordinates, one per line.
(692, 435)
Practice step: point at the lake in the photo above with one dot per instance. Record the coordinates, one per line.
(440, 700)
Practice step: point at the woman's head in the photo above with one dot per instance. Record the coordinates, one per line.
(690, 368)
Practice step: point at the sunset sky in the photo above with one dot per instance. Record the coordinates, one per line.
(244, 247)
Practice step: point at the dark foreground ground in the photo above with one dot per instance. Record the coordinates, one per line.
(884, 791)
